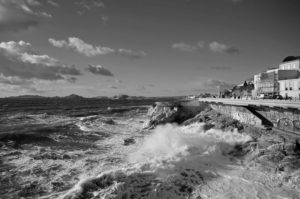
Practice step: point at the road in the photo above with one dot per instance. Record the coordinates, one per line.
(240, 102)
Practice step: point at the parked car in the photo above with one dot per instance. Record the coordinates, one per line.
(278, 97)
(288, 98)
(268, 97)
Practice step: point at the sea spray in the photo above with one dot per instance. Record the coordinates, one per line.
(172, 162)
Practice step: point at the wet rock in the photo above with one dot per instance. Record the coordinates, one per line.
(66, 156)
(57, 186)
(163, 112)
(32, 189)
(129, 141)
(208, 126)
(109, 121)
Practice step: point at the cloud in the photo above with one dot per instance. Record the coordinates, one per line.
(214, 46)
(89, 4)
(104, 19)
(18, 15)
(222, 68)
(90, 50)
(21, 62)
(217, 47)
(185, 47)
(211, 85)
(16, 84)
(53, 3)
(80, 46)
(131, 53)
(99, 70)
(182, 46)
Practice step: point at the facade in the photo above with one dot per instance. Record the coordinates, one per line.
(266, 83)
(290, 65)
(290, 88)
(289, 79)
(284, 81)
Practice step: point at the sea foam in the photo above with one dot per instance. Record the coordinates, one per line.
(172, 162)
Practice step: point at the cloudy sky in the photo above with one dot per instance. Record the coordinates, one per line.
(141, 47)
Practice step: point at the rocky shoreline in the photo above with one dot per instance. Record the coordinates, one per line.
(270, 150)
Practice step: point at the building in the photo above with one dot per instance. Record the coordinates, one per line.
(289, 78)
(284, 81)
(266, 83)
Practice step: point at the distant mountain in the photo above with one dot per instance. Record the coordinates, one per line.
(27, 96)
(74, 96)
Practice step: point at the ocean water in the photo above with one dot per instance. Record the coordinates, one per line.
(78, 150)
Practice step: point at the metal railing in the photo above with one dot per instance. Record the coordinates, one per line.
(257, 102)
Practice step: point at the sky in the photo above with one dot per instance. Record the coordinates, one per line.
(141, 47)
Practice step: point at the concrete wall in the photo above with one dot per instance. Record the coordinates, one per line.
(239, 113)
(285, 119)
(260, 116)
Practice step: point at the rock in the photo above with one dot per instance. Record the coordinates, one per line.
(109, 121)
(165, 112)
(66, 156)
(32, 189)
(129, 141)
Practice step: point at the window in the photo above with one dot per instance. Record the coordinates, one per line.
(286, 89)
(291, 88)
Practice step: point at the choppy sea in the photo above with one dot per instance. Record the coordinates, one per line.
(100, 149)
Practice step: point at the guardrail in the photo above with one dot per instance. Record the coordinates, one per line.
(259, 102)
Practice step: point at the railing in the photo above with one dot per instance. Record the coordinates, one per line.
(258, 102)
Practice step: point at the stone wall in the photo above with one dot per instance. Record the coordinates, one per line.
(239, 113)
(285, 119)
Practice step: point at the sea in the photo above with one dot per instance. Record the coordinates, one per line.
(100, 148)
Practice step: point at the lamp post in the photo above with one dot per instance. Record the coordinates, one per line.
(218, 87)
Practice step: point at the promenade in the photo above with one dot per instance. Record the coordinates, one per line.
(262, 102)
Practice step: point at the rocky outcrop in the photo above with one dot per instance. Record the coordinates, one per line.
(166, 112)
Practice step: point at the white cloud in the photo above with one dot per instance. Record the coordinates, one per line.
(90, 50)
(214, 46)
(21, 61)
(99, 70)
(58, 43)
(222, 48)
(131, 53)
(19, 15)
(81, 47)
(185, 47)
(210, 85)
(89, 4)
(53, 3)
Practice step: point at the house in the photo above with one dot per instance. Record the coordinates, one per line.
(289, 77)
(266, 83)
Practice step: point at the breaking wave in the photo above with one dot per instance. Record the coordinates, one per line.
(172, 162)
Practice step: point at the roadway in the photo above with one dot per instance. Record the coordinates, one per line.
(261, 102)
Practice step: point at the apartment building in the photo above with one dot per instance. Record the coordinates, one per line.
(289, 78)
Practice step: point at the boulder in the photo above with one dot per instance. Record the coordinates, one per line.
(109, 121)
(129, 141)
(166, 112)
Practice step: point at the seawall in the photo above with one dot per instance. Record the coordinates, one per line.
(287, 119)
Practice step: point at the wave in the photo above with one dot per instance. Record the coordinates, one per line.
(172, 162)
